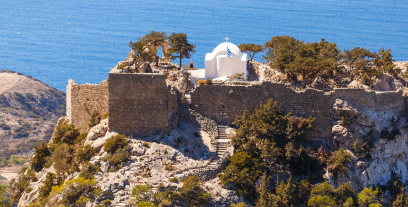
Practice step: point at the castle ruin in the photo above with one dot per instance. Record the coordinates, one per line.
(142, 103)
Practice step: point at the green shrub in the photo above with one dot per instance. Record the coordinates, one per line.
(339, 160)
(146, 144)
(107, 202)
(142, 193)
(21, 184)
(321, 196)
(365, 148)
(344, 192)
(165, 198)
(345, 121)
(115, 142)
(368, 197)
(48, 183)
(287, 194)
(95, 119)
(122, 65)
(239, 205)
(74, 189)
(22, 131)
(62, 158)
(174, 180)
(81, 138)
(192, 192)
(121, 155)
(89, 170)
(242, 171)
(65, 133)
(40, 158)
(105, 115)
(84, 153)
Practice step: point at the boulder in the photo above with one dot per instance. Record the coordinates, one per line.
(98, 130)
(341, 108)
(318, 83)
(387, 83)
(357, 84)
(365, 121)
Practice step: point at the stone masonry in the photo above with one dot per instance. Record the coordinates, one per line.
(222, 102)
(141, 104)
(83, 100)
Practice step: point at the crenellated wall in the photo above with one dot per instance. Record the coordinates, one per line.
(141, 104)
(83, 100)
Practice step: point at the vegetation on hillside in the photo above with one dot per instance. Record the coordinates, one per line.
(271, 168)
(295, 58)
(67, 154)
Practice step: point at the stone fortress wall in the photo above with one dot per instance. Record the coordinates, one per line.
(143, 104)
(83, 100)
(222, 102)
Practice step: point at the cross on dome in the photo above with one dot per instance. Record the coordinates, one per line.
(226, 39)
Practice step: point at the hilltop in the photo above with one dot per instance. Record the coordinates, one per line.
(29, 110)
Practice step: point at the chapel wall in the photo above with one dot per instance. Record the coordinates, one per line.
(141, 104)
(83, 100)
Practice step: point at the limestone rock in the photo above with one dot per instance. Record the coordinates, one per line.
(364, 120)
(387, 83)
(357, 84)
(342, 108)
(319, 83)
(98, 130)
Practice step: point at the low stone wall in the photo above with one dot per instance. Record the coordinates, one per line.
(141, 104)
(83, 100)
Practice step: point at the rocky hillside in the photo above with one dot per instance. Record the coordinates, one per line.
(29, 110)
(161, 162)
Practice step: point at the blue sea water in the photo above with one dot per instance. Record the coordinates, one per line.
(56, 40)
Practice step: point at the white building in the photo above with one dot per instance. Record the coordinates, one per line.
(221, 63)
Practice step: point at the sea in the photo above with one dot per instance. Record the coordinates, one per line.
(58, 40)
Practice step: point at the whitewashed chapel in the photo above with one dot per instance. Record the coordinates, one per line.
(225, 60)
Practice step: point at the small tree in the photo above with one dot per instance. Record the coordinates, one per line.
(192, 192)
(321, 196)
(251, 49)
(141, 53)
(367, 197)
(180, 47)
(385, 62)
(155, 39)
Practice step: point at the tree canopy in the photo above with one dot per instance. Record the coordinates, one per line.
(251, 49)
(180, 47)
(155, 39)
(295, 57)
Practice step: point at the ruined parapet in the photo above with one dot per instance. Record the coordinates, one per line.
(83, 100)
(223, 101)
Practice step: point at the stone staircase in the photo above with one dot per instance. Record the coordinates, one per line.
(222, 145)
